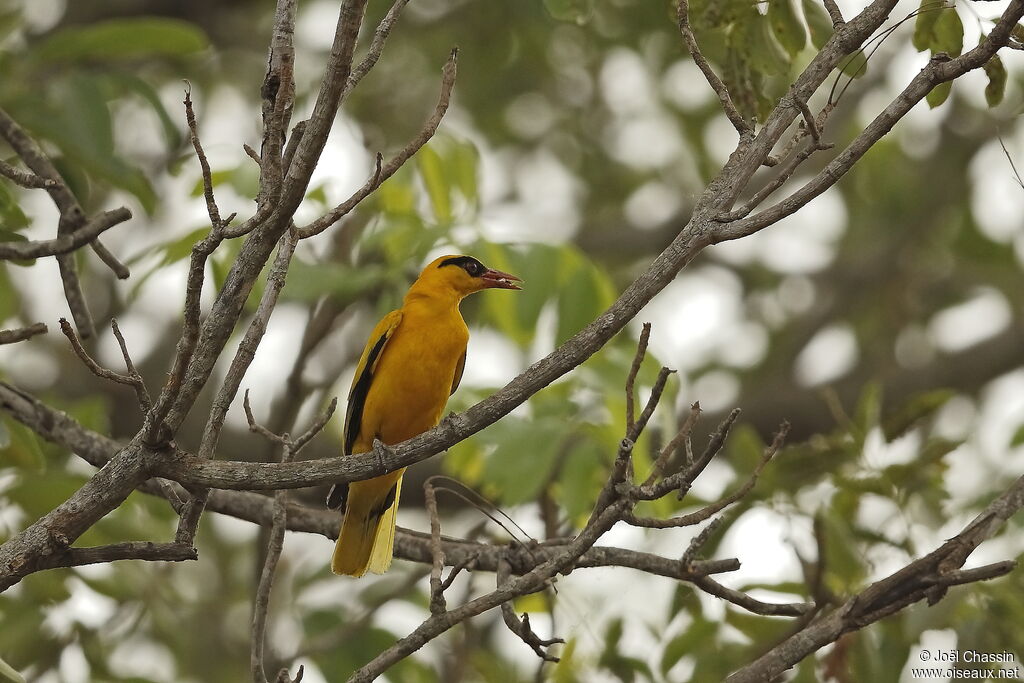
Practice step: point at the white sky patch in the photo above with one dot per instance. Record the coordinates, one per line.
(964, 325)
(720, 139)
(652, 204)
(879, 454)
(995, 195)
(626, 83)
(716, 390)
(744, 345)
(760, 540)
(684, 86)
(491, 359)
(145, 659)
(690, 314)
(84, 606)
(646, 140)
(828, 356)
(1002, 413)
(530, 115)
(311, 24)
(798, 244)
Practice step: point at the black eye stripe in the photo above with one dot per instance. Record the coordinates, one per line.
(467, 263)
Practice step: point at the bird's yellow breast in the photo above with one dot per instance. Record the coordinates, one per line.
(413, 377)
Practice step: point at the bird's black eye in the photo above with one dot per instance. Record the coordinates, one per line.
(467, 263)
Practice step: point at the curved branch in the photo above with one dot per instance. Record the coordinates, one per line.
(927, 577)
(939, 70)
(65, 243)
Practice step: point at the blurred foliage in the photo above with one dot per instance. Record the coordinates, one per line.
(570, 116)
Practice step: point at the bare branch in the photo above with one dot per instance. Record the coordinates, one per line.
(521, 627)
(119, 269)
(835, 14)
(141, 393)
(437, 601)
(130, 550)
(638, 359)
(204, 164)
(792, 609)
(741, 126)
(25, 179)
(939, 70)
(925, 578)
(22, 333)
(247, 347)
(387, 170)
(380, 37)
(683, 435)
(65, 243)
(708, 511)
(132, 379)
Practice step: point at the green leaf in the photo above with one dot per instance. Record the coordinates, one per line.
(914, 410)
(786, 25)
(575, 11)
(122, 39)
(1018, 437)
(924, 24)
(767, 54)
(938, 94)
(12, 218)
(431, 168)
(996, 87)
(132, 83)
(869, 407)
(689, 642)
(467, 160)
(819, 23)
(949, 33)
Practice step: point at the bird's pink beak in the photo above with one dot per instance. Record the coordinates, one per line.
(495, 279)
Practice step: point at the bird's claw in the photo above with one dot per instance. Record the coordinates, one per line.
(381, 450)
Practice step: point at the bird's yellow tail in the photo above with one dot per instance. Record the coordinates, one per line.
(367, 537)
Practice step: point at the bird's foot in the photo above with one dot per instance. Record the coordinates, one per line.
(381, 450)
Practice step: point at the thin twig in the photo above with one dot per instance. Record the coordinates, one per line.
(683, 435)
(1009, 158)
(741, 126)
(380, 37)
(437, 601)
(396, 162)
(132, 379)
(740, 599)
(638, 359)
(141, 393)
(521, 627)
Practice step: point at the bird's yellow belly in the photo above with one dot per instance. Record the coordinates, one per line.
(411, 387)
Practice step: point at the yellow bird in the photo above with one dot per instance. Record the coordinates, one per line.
(412, 363)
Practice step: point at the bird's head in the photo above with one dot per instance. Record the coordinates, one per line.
(463, 275)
